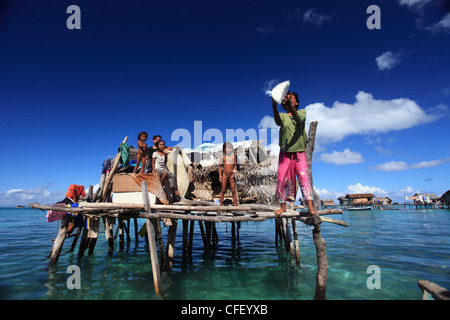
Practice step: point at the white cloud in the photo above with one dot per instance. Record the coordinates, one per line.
(401, 165)
(441, 26)
(7, 193)
(344, 157)
(310, 16)
(265, 30)
(267, 122)
(388, 60)
(394, 195)
(414, 4)
(359, 188)
(366, 116)
(329, 194)
(41, 194)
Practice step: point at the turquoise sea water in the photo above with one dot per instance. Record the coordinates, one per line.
(407, 246)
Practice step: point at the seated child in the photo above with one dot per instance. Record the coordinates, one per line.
(159, 165)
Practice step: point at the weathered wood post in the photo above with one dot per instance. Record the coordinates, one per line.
(309, 153)
(59, 241)
(170, 246)
(108, 223)
(296, 245)
(322, 264)
(93, 234)
(151, 239)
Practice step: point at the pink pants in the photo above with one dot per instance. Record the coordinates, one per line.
(291, 164)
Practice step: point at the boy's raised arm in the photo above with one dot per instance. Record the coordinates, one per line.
(276, 114)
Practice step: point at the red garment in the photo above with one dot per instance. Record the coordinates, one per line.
(75, 192)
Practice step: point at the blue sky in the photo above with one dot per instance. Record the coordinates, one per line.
(69, 97)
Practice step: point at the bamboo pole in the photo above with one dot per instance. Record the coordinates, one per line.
(151, 240)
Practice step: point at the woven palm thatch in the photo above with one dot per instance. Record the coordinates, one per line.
(253, 180)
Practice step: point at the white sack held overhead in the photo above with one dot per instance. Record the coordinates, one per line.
(280, 91)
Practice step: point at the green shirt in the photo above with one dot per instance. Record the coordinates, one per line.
(292, 132)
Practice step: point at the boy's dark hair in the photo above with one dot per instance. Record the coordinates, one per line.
(160, 142)
(295, 94)
(225, 144)
(155, 137)
(142, 133)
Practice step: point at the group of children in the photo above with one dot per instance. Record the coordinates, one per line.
(292, 165)
(157, 154)
(154, 158)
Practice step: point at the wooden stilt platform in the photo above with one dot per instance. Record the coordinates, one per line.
(207, 214)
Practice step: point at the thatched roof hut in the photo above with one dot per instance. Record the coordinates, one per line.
(360, 198)
(255, 178)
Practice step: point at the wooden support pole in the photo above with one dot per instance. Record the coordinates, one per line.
(127, 229)
(322, 264)
(185, 239)
(136, 231)
(151, 240)
(153, 256)
(93, 235)
(84, 240)
(191, 237)
(109, 233)
(121, 234)
(170, 246)
(296, 245)
(75, 240)
(59, 241)
(202, 232)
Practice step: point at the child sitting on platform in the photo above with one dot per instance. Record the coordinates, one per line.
(159, 165)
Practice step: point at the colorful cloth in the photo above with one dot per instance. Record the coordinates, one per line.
(77, 217)
(154, 185)
(53, 215)
(290, 165)
(75, 192)
(124, 150)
